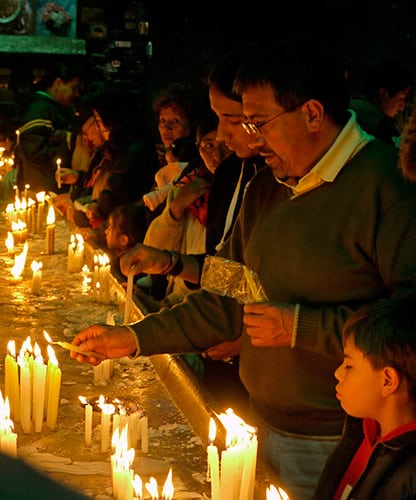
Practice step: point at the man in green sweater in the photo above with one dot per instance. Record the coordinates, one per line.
(330, 225)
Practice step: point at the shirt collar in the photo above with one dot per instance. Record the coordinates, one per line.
(349, 141)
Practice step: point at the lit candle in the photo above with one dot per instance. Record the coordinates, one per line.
(31, 207)
(19, 262)
(168, 489)
(273, 493)
(10, 242)
(50, 231)
(151, 487)
(213, 471)
(8, 438)
(11, 380)
(106, 411)
(75, 253)
(25, 393)
(39, 387)
(40, 197)
(54, 376)
(36, 276)
(144, 434)
(138, 487)
(58, 173)
(19, 230)
(17, 136)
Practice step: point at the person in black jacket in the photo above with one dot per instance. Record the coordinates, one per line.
(376, 457)
(44, 134)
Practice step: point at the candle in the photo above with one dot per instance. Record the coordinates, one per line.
(25, 393)
(11, 380)
(8, 439)
(144, 434)
(138, 487)
(151, 487)
(213, 471)
(58, 173)
(238, 460)
(19, 262)
(129, 298)
(54, 376)
(75, 253)
(39, 387)
(10, 242)
(40, 197)
(88, 420)
(121, 461)
(50, 231)
(168, 489)
(106, 411)
(19, 230)
(36, 276)
(31, 207)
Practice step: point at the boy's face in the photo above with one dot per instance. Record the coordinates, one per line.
(114, 238)
(359, 387)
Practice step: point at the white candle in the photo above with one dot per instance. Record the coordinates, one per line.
(144, 434)
(25, 394)
(40, 197)
(50, 231)
(106, 411)
(36, 276)
(54, 376)
(39, 387)
(88, 424)
(12, 380)
(213, 463)
(58, 172)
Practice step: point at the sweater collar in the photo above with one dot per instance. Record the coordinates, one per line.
(372, 430)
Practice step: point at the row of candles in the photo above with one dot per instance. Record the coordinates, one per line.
(32, 386)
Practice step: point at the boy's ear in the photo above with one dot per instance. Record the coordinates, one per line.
(391, 380)
(124, 240)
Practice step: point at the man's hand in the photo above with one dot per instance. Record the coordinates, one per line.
(144, 259)
(269, 324)
(225, 350)
(109, 341)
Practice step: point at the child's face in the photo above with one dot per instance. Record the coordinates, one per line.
(114, 238)
(359, 387)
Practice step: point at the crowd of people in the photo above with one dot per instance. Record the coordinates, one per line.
(272, 164)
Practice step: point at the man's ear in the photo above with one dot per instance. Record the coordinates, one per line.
(315, 113)
(391, 379)
(124, 240)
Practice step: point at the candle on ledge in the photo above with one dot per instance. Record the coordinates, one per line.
(107, 409)
(19, 263)
(10, 242)
(36, 276)
(40, 197)
(168, 489)
(11, 380)
(129, 298)
(8, 438)
(50, 231)
(25, 393)
(53, 383)
(58, 173)
(213, 471)
(88, 420)
(39, 370)
(31, 215)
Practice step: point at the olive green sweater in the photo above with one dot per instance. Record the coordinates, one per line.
(329, 250)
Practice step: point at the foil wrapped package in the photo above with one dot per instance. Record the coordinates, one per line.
(232, 279)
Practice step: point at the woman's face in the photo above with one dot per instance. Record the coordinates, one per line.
(173, 124)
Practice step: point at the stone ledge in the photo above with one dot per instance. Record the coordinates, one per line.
(51, 45)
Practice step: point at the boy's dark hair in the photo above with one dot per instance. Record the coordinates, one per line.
(64, 70)
(386, 74)
(131, 220)
(298, 69)
(385, 332)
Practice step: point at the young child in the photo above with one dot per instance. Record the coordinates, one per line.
(126, 226)
(376, 457)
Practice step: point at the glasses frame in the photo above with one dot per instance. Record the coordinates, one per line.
(255, 129)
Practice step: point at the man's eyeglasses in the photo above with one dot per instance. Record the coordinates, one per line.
(255, 128)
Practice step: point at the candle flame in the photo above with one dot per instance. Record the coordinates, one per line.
(238, 432)
(52, 356)
(212, 430)
(47, 336)
(40, 197)
(38, 353)
(6, 424)
(137, 486)
(36, 266)
(273, 493)
(168, 489)
(11, 348)
(10, 241)
(19, 262)
(50, 218)
(83, 400)
(19, 225)
(151, 487)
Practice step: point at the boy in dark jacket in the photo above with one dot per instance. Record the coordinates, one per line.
(376, 457)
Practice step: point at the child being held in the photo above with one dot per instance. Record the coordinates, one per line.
(126, 226)
(376, 457)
